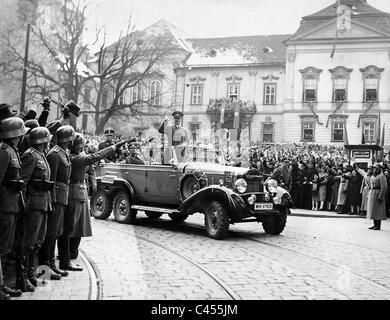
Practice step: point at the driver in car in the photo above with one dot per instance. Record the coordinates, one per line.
(133, 158)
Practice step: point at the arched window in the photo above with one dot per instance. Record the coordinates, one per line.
(371, 77)
(155, 92)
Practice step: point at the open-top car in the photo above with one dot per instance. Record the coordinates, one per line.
(186, 180)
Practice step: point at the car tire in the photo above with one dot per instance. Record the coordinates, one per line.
(122, 208)
(275, 225)
(153, 215)
(178, 217)
(217, 221)
(101, 205)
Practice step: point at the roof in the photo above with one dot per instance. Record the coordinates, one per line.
(262, 49)
(361, 12)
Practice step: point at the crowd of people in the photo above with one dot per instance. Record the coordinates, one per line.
(47, 175)
(320, 178)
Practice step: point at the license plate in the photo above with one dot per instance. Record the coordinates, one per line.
(264, 206)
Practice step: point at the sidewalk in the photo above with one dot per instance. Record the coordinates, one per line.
(320, 214)
(76, 286)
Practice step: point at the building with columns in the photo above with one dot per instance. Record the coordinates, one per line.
(288, 87)
(327, 98)
(224, 75)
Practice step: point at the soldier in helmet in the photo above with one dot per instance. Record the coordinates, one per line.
(60, 167)
(12, 131)
(78, 194)
(36, 175)
(29, 124)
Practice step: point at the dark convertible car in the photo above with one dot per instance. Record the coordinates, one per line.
(192, 180)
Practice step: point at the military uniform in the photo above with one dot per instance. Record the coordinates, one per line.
(105, 144)
(134, 160)
(11, 198)
(376, 210)
(60, 167)
(35, 173)
(78, 195)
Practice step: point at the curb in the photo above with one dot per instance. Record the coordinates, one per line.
(324, 215)
(96, 288)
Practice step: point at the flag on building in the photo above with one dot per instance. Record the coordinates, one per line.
(222, 120)
(236, 123)
(343, 23)
(346, 141)
(363, 138)
(378, 129)
(383, 136)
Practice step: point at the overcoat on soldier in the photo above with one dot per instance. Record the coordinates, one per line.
(11, 200)
(377, 210)
(36, 174)
(78, 191)
(60, 167)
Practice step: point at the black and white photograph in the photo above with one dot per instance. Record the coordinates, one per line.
(207, 152)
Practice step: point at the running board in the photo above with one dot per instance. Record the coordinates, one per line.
(154, 209)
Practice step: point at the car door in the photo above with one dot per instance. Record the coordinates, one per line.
(162, 184)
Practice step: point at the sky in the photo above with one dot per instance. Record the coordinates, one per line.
(209, 18)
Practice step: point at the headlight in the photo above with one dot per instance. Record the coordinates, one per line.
(272, 186)
(241, 185)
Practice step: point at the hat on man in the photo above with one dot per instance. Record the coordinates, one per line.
(30, 115)
(73, 108)
(6, 112)
(31, 124)
(378, 166)
(177, 114)
(109, 131)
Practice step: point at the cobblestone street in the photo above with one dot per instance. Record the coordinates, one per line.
(314, 258)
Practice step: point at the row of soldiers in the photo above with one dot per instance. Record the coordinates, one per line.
(43, 193)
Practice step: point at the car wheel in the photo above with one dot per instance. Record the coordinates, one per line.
(178, 217)
(275, 224)
(101, 205)
(216, 220)
(189, 186)
(122, 208)
(153, 215)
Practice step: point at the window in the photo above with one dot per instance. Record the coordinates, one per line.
(369, 132)
(155, 92)
(371, 89)
(197, 93)
(104, 100)
(233, 92)
(340, 89)
(268, 132)
(270, 93)
(310, 90)
(338, 131)
(308, 131)
(85, 121)
(194, 131)
(87, 95)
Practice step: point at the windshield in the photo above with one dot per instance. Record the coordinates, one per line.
(181, 154)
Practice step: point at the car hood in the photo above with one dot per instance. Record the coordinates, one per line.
(210, 168)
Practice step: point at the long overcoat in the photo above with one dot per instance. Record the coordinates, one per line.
(377, 210)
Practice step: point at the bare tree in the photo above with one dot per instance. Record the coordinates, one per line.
(128, 63)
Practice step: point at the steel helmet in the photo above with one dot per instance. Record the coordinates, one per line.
(65, 134)
(31, 124)
(39, 135)
(79, 139)
(12, 127)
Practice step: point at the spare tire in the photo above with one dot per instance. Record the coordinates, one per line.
(192, 182)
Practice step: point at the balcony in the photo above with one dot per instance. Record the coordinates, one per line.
(247, 108)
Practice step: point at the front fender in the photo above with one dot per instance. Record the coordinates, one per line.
(200, 200)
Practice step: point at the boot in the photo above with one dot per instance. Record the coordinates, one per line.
(70, 266)
(31, 269)
(11, 292)
(377, 225)
(4, 296)
(22, 282)
(56, 270)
